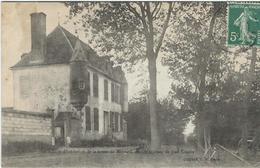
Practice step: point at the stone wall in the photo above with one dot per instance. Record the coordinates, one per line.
(25, 126)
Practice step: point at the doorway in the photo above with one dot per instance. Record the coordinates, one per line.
(59, 136)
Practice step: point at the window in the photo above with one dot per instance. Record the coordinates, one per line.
(78, 84)
(118, 94)
(121, 122)
(87, 118)
(81, 84)
(121, 94)
(112, 121)
(95, 85)
(116, 122)
(105, 89)
(115, 93)
(106, 121)
(96, 119)
(88, 83)
(112, 92)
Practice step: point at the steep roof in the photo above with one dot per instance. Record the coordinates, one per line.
(61, 49)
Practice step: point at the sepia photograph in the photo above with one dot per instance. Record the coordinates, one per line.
(130, 84)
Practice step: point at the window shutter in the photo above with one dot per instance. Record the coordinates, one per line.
(121, 122)
(121, 94)
(105, 89)
(96, 120)
(116, 122)
(111, 120)
(116, 93)
(95, 85)
(88, 83)
(87, 118)
(112, 92)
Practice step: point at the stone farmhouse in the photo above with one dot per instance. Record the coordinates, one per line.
(64, 91)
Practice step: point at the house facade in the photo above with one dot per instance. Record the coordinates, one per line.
(83, 93)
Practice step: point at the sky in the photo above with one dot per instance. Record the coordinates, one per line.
(16, 40)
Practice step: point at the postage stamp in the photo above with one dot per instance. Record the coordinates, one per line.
(243, 24)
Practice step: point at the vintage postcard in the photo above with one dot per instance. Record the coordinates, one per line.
(130, 84)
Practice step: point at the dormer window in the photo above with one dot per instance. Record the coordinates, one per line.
(82, 84)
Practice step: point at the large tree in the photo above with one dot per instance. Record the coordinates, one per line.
(134, 31)
(199, 62)
(205, 63)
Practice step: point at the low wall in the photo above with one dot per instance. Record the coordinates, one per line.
(94, 135)
(25, 126)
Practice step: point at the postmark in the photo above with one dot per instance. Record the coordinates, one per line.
(243, 26)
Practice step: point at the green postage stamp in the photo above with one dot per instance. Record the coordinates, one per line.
(243, 24)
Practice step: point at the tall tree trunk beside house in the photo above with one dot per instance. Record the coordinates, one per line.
(152, 55)
(155, 135)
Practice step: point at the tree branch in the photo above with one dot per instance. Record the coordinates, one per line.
(155, 13)
(156, 6)
(165, 25)
(133, 10)
(143, 19)
(150, 19)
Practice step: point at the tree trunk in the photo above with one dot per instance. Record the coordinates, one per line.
(200, 115)
(207, 138)
(155, 135)
(246, 103)
(202, 88)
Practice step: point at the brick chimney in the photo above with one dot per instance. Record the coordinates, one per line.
(38, 36)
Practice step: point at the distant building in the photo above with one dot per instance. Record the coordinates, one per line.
(78, 94)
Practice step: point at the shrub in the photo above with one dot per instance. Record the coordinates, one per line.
(191, 139)
(16, 148)
(105, 142)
